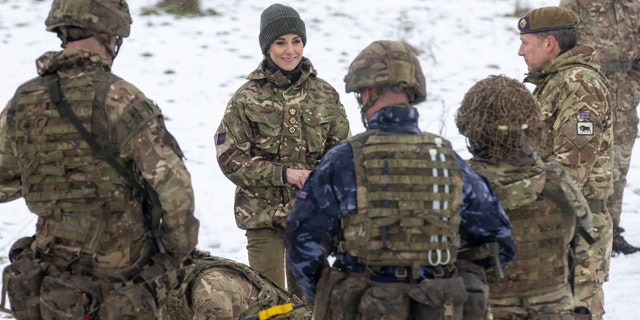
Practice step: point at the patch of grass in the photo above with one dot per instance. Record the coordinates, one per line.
(178, 8)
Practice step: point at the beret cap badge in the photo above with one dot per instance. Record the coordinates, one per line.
(523, 24)
(547, 19)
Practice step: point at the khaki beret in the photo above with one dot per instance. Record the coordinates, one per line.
(547, 19)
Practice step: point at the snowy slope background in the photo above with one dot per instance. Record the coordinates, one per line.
(192, 66)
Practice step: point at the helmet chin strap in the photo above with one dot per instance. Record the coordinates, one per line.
(373, 96)
(119, 41)
(105, 43)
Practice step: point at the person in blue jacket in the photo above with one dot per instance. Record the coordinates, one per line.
(425, 202)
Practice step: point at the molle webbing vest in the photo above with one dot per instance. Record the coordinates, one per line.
(409, 194)
(541, 229)
(179, 307)
(63, 180)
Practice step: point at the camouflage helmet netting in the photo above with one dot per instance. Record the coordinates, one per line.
(388, 63)
(101, 16)
(500, 115)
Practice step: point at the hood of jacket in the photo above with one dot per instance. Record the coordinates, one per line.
(67, 59)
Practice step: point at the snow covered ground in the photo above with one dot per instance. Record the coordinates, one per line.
(192, 66)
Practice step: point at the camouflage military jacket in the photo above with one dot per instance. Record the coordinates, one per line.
(577, 115)
(105, 206)
(267, 128)
(611, 27)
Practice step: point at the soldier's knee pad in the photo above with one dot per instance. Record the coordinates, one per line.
(130, 302)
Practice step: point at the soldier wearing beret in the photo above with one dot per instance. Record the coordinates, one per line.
(577, 120)
(612, 28)
(276, 128)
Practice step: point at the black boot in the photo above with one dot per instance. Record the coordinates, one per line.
(620, 245)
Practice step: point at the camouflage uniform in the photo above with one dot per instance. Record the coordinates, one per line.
(577, 118)
(222, 289)
(269, 125)
(539, 281)
(612, 28)
(550, 216)
(91, 230)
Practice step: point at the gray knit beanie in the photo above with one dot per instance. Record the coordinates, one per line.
(278, 20)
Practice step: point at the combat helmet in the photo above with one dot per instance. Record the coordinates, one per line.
(501, 120)
(78, 19)
(387, 63)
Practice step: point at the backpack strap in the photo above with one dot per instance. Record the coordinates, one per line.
(567, 207)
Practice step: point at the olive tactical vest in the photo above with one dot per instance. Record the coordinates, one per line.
(64, 182)
(542, 231)
(408, 194)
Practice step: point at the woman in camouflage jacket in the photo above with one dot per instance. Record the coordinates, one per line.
(276, 128)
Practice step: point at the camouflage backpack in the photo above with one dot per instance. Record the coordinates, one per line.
(270, 294)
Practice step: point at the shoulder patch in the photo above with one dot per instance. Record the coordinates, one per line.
(139, 113)
(585, 128)
(221, 137)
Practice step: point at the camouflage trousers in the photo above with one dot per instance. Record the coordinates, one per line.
(267, 255)
(588, 291)
(625, 96)
(548, 304)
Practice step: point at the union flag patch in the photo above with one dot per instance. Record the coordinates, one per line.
(221, 138)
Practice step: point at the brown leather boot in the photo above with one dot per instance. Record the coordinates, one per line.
(620, 245)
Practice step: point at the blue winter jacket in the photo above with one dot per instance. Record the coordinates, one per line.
(330, 194)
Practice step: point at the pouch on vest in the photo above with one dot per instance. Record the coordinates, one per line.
(22, 279)
(386, 301)
(475, 282)
(323, 294)
(161, 276)
(343, 297)
(68, 296)
(129, 302)
(439, 299)
(177, 307)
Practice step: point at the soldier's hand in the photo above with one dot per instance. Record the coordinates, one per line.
(297, 177)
